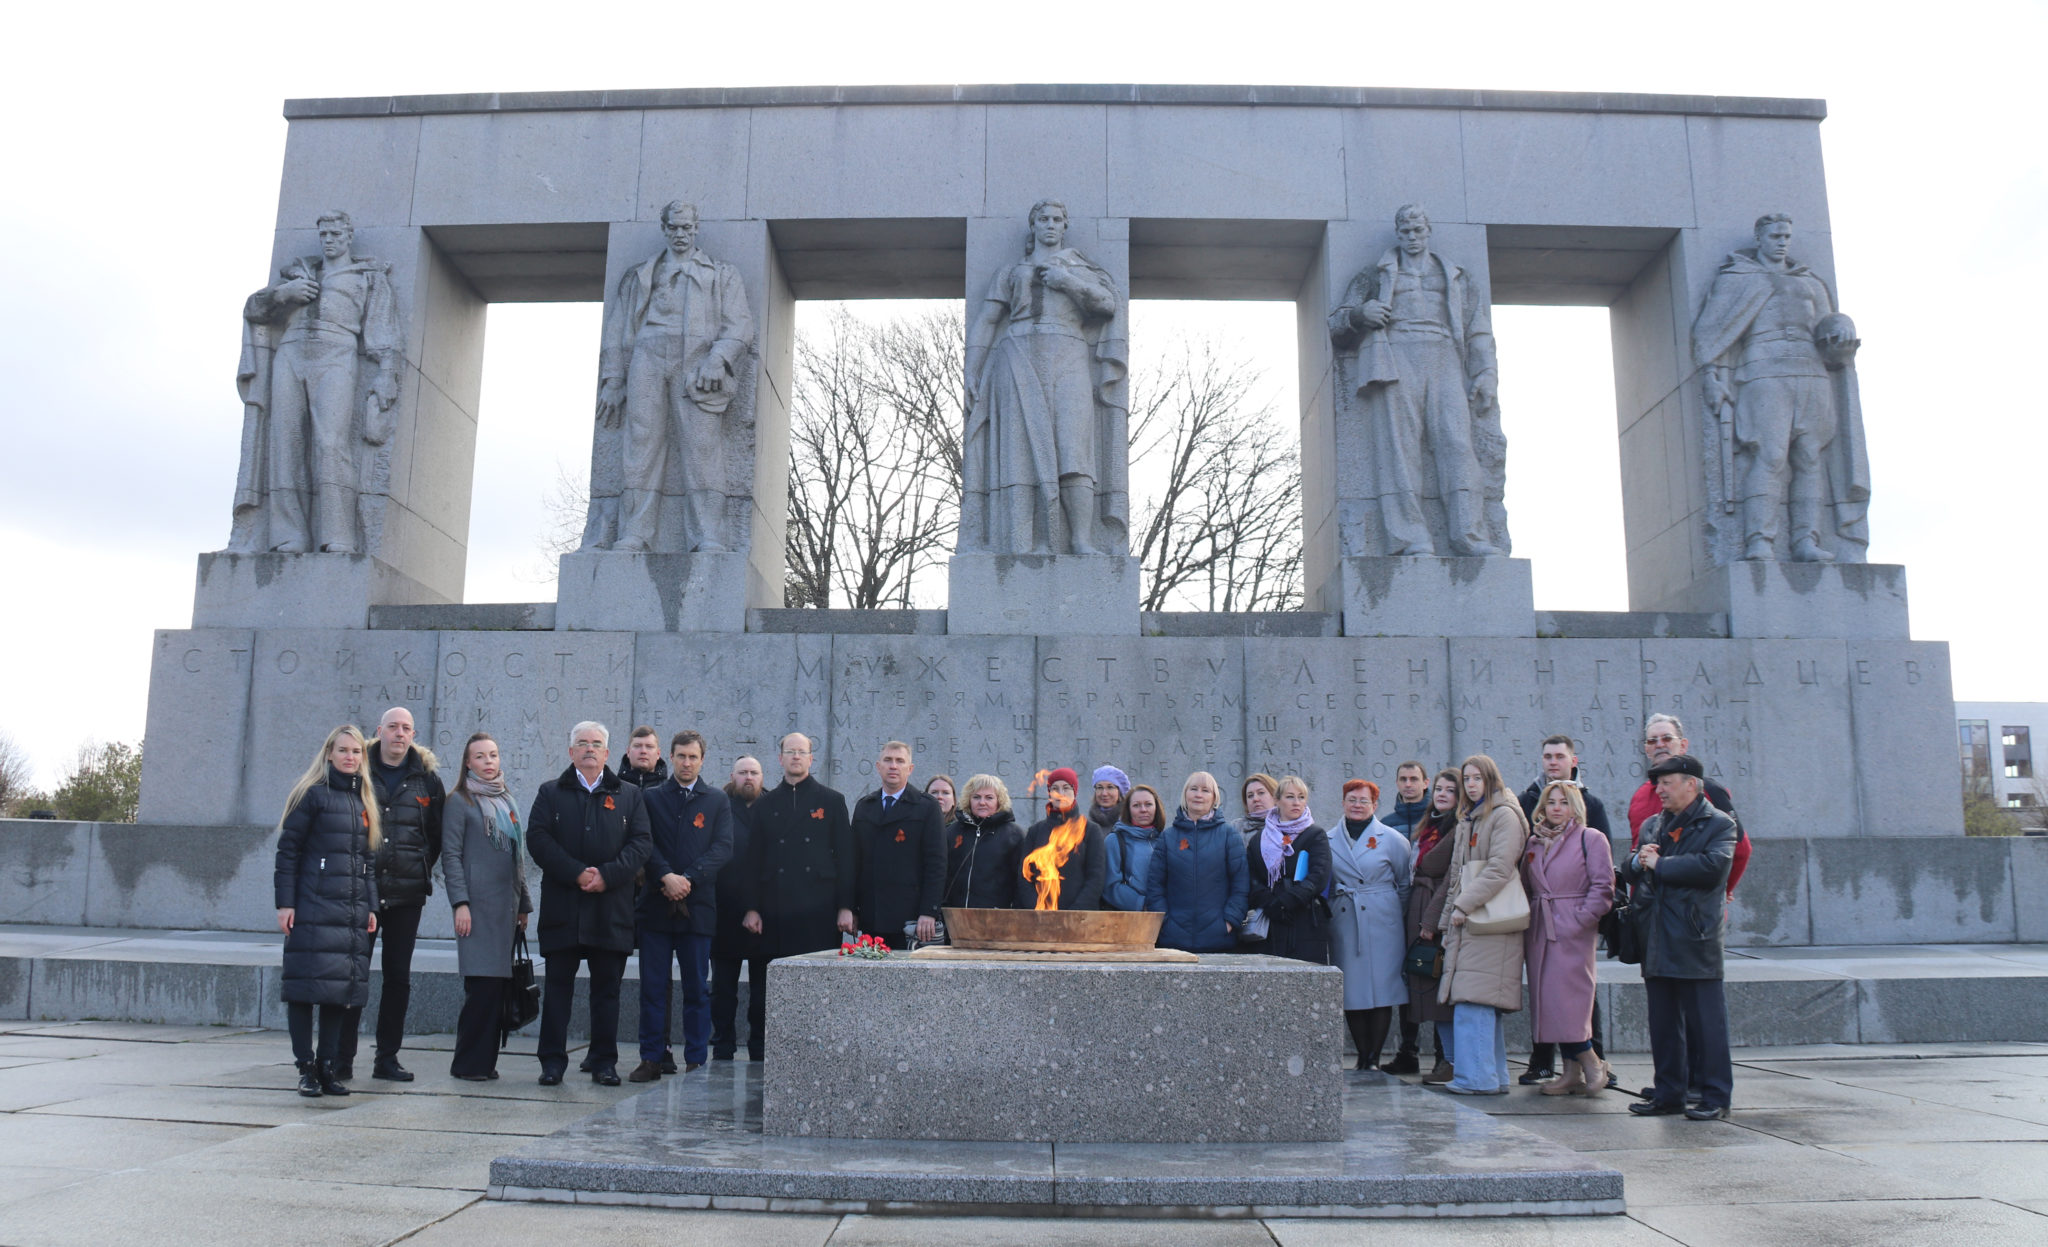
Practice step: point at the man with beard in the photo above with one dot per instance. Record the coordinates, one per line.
(731, 944)
(799, 884)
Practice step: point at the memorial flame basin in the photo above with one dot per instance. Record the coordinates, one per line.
(1228, 1049)
(1053, 930)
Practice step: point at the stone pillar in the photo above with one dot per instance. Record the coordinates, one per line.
(1345, 567)
(1061, 594)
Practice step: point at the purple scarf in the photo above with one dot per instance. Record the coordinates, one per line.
(1273, 840)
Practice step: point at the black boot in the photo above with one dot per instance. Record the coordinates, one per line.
(388, 1069)
(329, 1084)
(309, 1080)
(1405, 1059)
(1355, 1022)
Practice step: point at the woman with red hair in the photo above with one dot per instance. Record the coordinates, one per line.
(1372, 868)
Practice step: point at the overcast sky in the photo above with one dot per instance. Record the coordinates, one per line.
(142, 157)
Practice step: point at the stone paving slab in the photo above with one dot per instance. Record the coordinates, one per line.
(1408, 1151)
(221, 1210)
(1873, 1223)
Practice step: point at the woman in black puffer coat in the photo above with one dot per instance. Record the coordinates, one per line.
(326, 887)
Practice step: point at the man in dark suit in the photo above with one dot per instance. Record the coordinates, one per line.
(799, 882)
(588, 833)
(692, 827)
(731, 944)
(900, 847)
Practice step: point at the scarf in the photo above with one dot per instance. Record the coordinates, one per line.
(501, 816)
(1546, 833)
(1274, 839)
(1429, 830)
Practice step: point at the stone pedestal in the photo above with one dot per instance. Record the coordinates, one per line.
(613, 591)
(1043, 595)
(299, 590)
(1067, 1052)
(1421, 595)
(1848, 601)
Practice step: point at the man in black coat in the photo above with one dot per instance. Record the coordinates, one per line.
(899, 846)
(692, 832)
(732, 945)
(1680, 884)
(1561, 765)
(799, 882)
(644, 767)
(410, 797)
(589, 834)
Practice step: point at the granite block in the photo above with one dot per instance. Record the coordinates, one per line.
(1576, 169)
(1901, 702)
(1160, 709)
(1507, 695)
(360, 164)
(1246, 162)
(1040, 150)
(2029, 867)
(743, 692)
(1928, 890)
(885, 161)
(528, 689)
(542, 167)
(1425, 596)
(1043, 595)
(1771, 906)
(1081, 1052)
(616, 591)
(1356, 707)
(15, 976)
(198, 712)
(70, 988)
(1975, 1009)
(1855, 601)
(297, 590)
(183, 877)
(956, 701)
(44, 866)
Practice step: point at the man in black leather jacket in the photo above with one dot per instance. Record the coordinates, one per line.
(409, 800)
(1679, 879)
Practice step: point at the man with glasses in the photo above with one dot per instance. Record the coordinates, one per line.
(798, 885)
(589, 834)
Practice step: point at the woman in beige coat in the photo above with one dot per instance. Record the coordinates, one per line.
(1482, 973)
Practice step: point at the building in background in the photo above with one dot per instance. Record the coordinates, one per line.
(1996, 739)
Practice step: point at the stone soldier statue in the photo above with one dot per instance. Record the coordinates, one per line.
(301, 338)
(1045, 460)
(1780, 385)
(676, 337)
(1415, 352)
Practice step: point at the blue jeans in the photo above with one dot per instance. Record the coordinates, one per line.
(658, 950)
(1481, 1048)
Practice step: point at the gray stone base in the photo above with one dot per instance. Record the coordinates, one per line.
(298, 590)
(1421, 595)
(696, 1142)
(1852, 601)
(1043, 595)
(1081, 1051)
(611, 591)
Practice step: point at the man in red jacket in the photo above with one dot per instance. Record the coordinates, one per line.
(1664, 737)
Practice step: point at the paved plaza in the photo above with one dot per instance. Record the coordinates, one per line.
(118, 1132)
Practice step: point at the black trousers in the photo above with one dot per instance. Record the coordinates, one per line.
(476, 1027)
(1689, 1040)
(398, 930)
(558, 993)
(1544, 1055)
(299, 1021)
(725, 1005)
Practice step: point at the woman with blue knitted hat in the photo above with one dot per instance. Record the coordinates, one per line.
(1112, 788)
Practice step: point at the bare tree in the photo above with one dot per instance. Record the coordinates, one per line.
(874, 482)
(1222, 532)
(17, 774)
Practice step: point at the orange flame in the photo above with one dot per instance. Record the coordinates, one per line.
(1042, 864)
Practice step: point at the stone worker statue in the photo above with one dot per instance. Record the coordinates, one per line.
(1045, 457)
(1414, 340)
(301, 340)
(1780, 388)
(676, 337)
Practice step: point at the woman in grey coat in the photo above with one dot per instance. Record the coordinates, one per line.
(1368, 911)
(486, 877)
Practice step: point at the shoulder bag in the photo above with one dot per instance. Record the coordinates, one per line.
(1505, 913)
(522, 995)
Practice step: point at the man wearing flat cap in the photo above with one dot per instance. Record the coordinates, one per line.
(1680, 880)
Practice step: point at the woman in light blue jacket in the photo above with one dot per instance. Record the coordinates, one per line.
(1369, 918)
(1129, 847)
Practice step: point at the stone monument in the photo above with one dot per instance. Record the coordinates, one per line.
(658, 540)
(1416, 371)
(1045, 498)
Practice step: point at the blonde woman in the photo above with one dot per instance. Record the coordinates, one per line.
(1569, 869)
(984, 848)
(326, 886)
(1482, 973)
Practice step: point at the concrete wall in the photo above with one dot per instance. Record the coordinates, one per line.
(1798, 892)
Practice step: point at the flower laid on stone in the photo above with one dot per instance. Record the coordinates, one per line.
(867, 947)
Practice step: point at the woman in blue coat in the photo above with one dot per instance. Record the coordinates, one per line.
(1369, 907)
(1129, 845)
(1198, 876)
(326, 891)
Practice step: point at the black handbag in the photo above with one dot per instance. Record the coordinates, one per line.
(522, 995)
(1425, 960)
(1622, 927)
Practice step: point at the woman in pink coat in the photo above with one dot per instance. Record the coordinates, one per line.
(1569, 871)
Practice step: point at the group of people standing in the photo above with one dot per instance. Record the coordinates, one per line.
(1436, 908)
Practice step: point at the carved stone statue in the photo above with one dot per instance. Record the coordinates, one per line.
(1045, 459)
(1415, 362)
(300, 477)
(676, 338)
(1784, 416)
